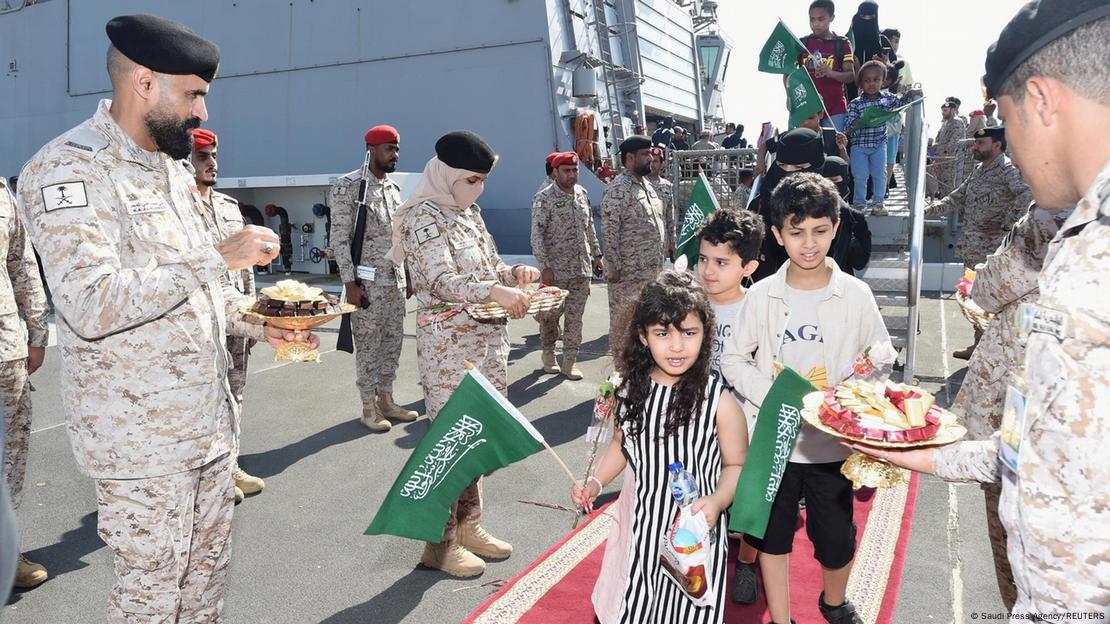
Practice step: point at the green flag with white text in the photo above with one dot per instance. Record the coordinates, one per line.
(802, 97)
(702, 203)
(780, 54)
(476, 432)
(876, 116)
(776, 430)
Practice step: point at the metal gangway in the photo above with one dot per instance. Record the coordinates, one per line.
(894, 271)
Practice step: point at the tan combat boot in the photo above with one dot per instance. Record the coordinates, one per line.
(29, 574)
(550, 366)
(453, 559)
(249, 484)
(392, 411)
(568, 369)
(373, 419)
(239, 495)
(475, 539)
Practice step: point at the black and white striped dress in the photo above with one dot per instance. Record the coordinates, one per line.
(649, 596)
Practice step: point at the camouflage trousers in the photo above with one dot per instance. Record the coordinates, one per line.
(949, 174)
(622, 301)
(442, 348)
(172, 541)
(997, 534)
(572, 311)
(377, 333)
(237, 374)
(16, 391)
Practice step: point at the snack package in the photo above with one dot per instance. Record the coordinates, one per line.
(686, 554)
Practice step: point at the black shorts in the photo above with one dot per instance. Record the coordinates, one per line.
(829, 524)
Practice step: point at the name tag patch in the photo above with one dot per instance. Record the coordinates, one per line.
(64, 195)
(1039, 319)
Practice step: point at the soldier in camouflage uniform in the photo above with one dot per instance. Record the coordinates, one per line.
(664, 188)
(566, 249)
(143, 306)
(634, 232)
(1008, 279)
(989, 202)
(452, 260)
(224, 219)
(949, 151)
(1054, 501)
(373, 280)
(22, 301)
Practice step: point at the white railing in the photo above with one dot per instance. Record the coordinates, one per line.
(914, 169)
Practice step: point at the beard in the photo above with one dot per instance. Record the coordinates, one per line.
(211, 182)
(173, 137)
(642, 170)
(388, 167)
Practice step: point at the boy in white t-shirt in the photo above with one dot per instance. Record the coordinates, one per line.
(730, 242)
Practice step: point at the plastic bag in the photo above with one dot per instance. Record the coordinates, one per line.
(686, 554)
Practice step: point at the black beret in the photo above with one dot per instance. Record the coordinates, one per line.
(997, 133)
(634, 143)
(463, 149)
(164, 46)
(1036, 25)
(800, 146)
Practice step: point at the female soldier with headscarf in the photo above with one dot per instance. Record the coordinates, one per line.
(451, 259)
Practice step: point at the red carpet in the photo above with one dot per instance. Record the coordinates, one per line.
(557, 586)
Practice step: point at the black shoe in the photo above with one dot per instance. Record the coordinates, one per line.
(745, 584)
(843, 614)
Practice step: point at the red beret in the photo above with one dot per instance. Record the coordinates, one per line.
(660, 152)
(978, 113)
(203, 138)
(559, 159)
(551, 158)
(382, 134)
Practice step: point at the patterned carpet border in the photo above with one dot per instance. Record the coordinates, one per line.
(868, 583)
(522, 592)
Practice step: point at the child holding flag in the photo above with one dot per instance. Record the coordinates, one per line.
(865, 125)
(814, 319)
(671, 410)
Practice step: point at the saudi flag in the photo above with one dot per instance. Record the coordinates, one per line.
(702, 203)
(802, 96)
(476, 432)
(776, 429)
(780, 54)
(876, 116)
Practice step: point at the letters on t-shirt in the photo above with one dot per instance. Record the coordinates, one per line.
(808, 333)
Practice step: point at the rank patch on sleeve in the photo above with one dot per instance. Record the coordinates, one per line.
(64, 195)
(426, 233)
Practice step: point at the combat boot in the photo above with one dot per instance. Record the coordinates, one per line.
(239, 495)
(550, 365)
(29, 574)
(475, 539)
(568, 369)
(372, 418)
(392, 411)
(453, 559)
(249, 484)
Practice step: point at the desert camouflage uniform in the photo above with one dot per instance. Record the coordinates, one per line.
(227, 219)
(950, 155)
(143, 306)
(22, 300)
(633, 230)
(1008, 279)
(564, 240)
(378, 330)
(664, 188)
(543, 185)
(742, 196)
(453, 259)
(1056, 508)
(989, 202)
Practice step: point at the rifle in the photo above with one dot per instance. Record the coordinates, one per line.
(346, 338)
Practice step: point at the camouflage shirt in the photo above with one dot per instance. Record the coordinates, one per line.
(1056, 507)
(989, 201)
(1008, 279)
(632, 227)
(451, 256)
(951, 132)
(563, 236)
(22, 300)
(382, 199)
(664, 188)
(227, 219)
(142, 300)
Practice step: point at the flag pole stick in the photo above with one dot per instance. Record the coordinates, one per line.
(560, 461)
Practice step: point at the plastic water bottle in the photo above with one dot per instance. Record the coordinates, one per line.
(683, 486)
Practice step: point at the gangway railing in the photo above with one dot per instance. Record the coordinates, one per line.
(914, 168)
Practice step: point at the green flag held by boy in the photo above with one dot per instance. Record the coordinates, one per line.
(802, 97)
(780, 54)
(476, 432)
(702, 204)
